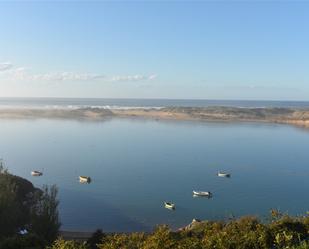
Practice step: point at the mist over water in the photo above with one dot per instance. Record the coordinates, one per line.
(136, 165)
(138, 103)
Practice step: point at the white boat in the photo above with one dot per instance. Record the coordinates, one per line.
(223, 174)
(202, 193)
(36, 173)
(169, 205)
(84, 179)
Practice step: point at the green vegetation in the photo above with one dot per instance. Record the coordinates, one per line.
(24, 207)
(282, 231)
(63, 244)
(45, 218)
(303, 245)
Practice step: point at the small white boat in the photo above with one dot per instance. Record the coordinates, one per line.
(223, 174)
(169, 205)
(84, 179)
(202, 193)
(36, 173)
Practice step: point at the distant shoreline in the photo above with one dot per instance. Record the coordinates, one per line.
(294, 116)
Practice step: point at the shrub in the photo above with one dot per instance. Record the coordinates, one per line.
(161, 238)
(246, 232)
(64, 244)
(303, 245)
(95, 239)
(288, 231)
(123, 241)
(29, 241)
(243, 233)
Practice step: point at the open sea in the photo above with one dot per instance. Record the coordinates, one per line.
(139, 103)
(137, 164)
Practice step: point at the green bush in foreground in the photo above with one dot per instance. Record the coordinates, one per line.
(63, 244)
(244, 233)
(303, 245)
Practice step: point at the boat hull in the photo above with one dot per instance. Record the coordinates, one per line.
(84, 179)
(223, 175)
(169, 205)
(36, 173)
(202, 193)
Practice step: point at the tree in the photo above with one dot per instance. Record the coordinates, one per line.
(22, 206)
(16, 198)
(45, 217)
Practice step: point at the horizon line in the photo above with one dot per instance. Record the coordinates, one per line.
(185, 99)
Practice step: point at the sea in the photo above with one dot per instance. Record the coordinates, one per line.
(137, 164)
(141, 103)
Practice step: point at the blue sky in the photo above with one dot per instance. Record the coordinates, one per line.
(203, 50)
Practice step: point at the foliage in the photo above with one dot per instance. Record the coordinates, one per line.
(246, 232)
(17, 196)
(95, 239)
(63, 244)
(29, 241)
(288, 231)
(243, 233)
(161, 238)
(45, 218)
(123, 241)
(22, 206)
(302, 245)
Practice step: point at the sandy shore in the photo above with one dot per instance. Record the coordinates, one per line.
(78, 114)
(298, 117)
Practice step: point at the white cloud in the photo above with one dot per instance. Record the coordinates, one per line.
(152, 77)
(24, 74)
(4, 66)
(137, 77)
(66, 76)
(71, 76)
(18, 73)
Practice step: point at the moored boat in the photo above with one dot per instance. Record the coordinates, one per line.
(223, 174)
(84, 179)
(36, 173)
(202, 193)
(169, 205)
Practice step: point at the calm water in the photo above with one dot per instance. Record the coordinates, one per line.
(137, 164)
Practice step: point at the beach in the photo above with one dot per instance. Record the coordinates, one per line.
(294, 116)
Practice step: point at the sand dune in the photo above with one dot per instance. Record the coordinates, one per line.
(298, 117)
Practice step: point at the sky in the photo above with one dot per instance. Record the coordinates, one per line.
(155, 49)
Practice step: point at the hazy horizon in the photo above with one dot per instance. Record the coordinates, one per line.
(133, 98)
